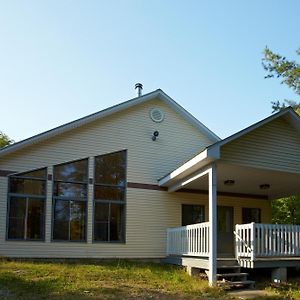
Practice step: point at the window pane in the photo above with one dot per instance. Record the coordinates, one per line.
(16, 228)
(101, 222)
(61, 230)
(27, 186)
(116, 222)
(109, 193)
(16, 222)
(40, 174)
(72, 190)
(61, 220)
(61, 210)
(192, 214)
(101, 212)
(77, 220)
(111, 168)
(75, 171)
(17, 207)
(101, 231)
(251, 215)
(35, 219)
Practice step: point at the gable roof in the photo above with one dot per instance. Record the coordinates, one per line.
(212, 152)
(287, 113)
(157, 94)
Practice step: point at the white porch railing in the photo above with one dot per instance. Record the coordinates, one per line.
(267, 240)
(190, 240)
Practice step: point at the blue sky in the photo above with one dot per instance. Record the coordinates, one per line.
(61, 60)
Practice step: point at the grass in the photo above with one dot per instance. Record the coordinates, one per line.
(105, 280)
(289, 290)
(118, 279)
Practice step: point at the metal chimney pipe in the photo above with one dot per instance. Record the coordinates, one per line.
(139, 86)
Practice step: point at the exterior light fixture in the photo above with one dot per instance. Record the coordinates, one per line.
(264, 186)
(229, 182)
(155, 135)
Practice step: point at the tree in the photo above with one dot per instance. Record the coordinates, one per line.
(286, 210)
(288, 70)
(4, 140)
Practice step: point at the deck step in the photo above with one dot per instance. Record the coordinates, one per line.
(228, 267)
(232, 274)
(242, 283)
(232, 277)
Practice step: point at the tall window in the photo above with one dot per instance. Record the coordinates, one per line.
(109, 194)
(26, 205)
(70, 201)
(192, 214)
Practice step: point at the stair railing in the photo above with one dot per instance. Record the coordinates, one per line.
(245, 241)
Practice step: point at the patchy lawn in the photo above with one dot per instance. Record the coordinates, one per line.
(122, 279)
(289, 290)
(105, 280)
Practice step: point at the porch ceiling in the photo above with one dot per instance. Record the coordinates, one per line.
(248, 180)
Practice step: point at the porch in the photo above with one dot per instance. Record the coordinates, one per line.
(255, 245)
(259, 162)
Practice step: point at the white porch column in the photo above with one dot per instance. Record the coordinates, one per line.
(212, 191)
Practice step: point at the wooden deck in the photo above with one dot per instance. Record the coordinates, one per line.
(202, 262)
(256, 246)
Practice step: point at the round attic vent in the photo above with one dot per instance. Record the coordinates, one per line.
(157, 115)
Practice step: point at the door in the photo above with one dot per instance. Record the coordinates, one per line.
(225, 230)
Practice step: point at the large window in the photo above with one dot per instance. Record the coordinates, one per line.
(26, 205)
(70, 201)
(109, 194)
(192, 214)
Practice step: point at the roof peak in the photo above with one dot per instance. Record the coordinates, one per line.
(158, 93)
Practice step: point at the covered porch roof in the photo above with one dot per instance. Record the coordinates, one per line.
(262, 160)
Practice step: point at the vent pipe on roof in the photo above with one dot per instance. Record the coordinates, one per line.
(139, 88)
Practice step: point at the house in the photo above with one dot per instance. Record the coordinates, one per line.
(128, 182)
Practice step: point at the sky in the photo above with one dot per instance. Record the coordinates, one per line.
(61, 59)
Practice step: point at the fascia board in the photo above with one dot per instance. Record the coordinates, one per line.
(190, 118)
(199, 161)
(77, 123)
(288, 112)
(106, 112)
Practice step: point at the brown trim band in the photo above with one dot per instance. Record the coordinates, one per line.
(145, 186)
(155, 187)
(228, 194)
(5, 173)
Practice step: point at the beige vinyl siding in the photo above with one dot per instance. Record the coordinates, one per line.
(147, 161)
(149, 213)
(131, 129)
(274, 146)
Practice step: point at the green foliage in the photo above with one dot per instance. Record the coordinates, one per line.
(286, 210)
(288, 70)
(277, 105)
(4, 140)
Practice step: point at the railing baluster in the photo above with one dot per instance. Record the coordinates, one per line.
(188, 240)
(251, 240)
